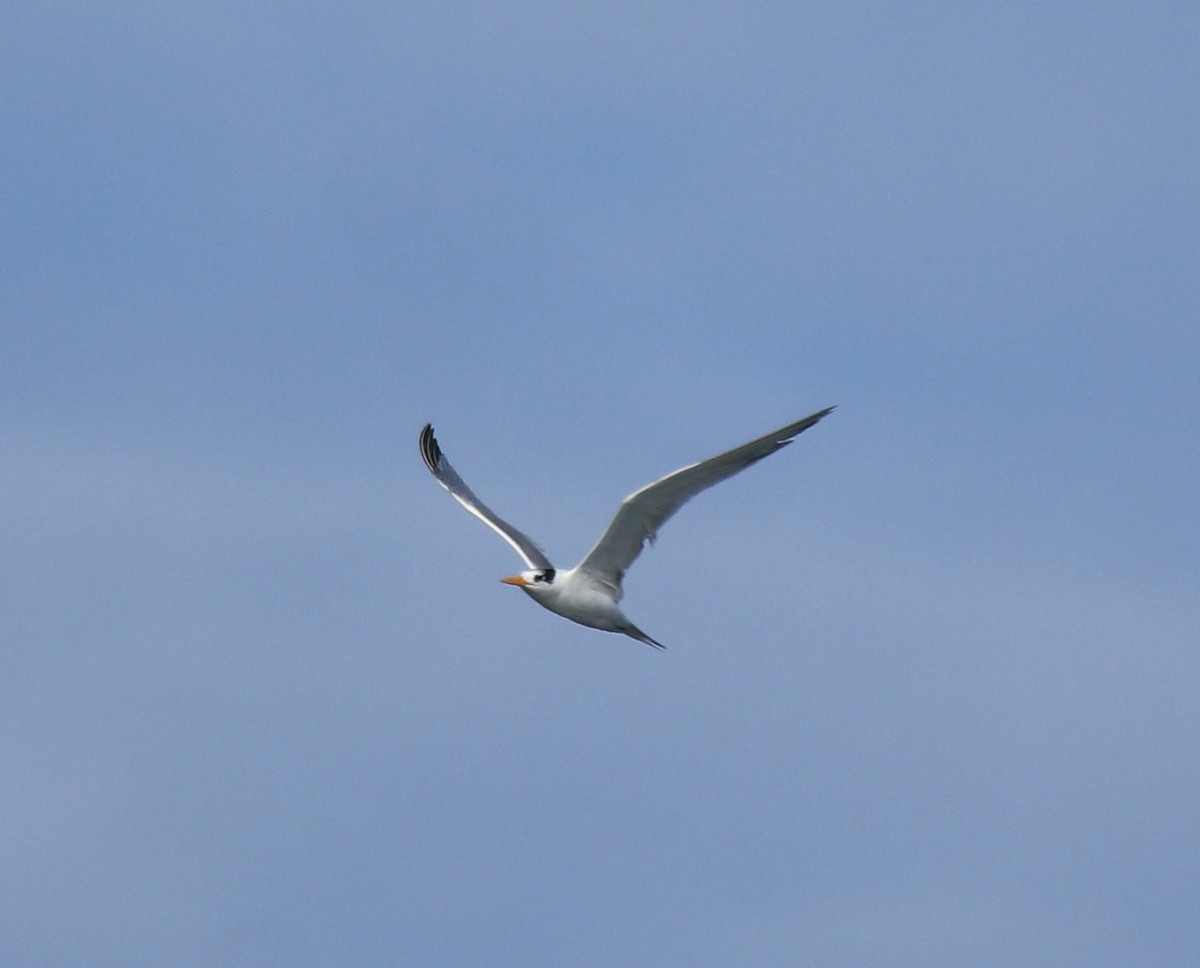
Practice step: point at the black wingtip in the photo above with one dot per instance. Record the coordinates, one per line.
(431, 453)
(785, 435)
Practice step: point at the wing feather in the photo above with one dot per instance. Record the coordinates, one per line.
(646, 510)
(436, 461)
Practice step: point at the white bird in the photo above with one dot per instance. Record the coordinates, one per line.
(589, 592)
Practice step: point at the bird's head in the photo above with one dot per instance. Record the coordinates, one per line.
(532, 581)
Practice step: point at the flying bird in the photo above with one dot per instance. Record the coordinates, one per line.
(590, 592)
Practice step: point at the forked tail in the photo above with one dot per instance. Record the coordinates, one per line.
(636, 633)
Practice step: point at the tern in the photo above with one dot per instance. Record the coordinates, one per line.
(590, 592)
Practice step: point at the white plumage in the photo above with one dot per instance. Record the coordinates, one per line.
(589, 592)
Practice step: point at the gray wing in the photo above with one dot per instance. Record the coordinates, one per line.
(645, 511)
(436, 461)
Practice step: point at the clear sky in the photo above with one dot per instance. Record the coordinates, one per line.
(931, 691)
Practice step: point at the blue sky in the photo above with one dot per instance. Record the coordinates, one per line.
(930, 693)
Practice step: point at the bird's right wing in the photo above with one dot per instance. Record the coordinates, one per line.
(645, 511)
(436, 461)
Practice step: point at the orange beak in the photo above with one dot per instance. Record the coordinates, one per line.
(515, 580)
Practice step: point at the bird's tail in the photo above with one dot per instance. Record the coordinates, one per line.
(636, 633)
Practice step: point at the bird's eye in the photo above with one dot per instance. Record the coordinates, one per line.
(539, 577)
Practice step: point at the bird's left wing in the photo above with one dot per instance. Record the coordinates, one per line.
(645, 511)
(436, 461)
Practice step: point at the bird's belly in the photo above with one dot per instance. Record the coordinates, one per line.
(593, 609)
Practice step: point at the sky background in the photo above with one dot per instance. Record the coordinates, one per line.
(930, 697)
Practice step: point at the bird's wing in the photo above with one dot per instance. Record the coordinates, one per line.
(436, 461)
(644, 512)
